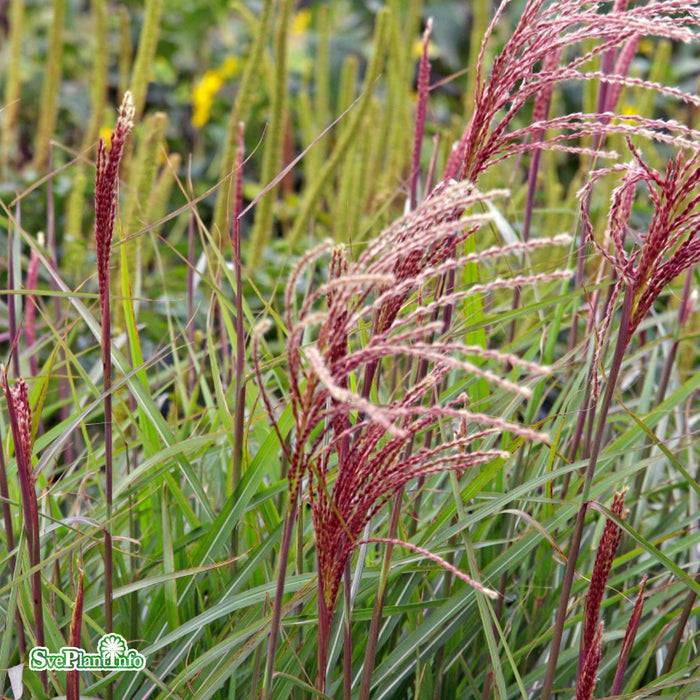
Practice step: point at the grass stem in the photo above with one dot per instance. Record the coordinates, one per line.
(574, 547)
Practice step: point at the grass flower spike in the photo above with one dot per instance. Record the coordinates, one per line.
(21, 423)
(106, 193)
(587, 679)
(605, 555)
(106, 190)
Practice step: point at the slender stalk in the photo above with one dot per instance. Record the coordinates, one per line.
(190, 284)
(107, 388)
(373, 634)
(289, 519)
(30, 310)
(680, 629)
(557, 632)
(52, 245)
(239, 410)
(347, 650)
(13, 298)
(10, 538)
(106, 190)
(239, 415)
(21, 421)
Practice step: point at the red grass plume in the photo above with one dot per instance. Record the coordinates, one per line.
(524, 70)
(589, 670)
(20, 414)
(647, 261)
(106, 189)
(605, 555)
(384, 311)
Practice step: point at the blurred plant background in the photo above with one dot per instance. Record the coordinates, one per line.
(230, 94)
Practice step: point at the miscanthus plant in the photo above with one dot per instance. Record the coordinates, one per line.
(451, 453)
(387, 312)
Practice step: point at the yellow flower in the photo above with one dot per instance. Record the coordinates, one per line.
(417, 49)
(205, 90)
(628, 109)
(203, 95)
(106, 134)
(301, 22)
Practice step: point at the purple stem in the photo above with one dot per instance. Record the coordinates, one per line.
(622, 342)
(107, 381)
(10, 537)
(347, 650)
(289, 519)
(239, 416)
(12, 298)
(379, 600)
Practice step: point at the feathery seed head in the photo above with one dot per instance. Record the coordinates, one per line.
(543, 37)
(385, 307)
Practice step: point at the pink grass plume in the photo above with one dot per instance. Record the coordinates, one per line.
(106, 195)
(628, 642)
(20, 414)
(605, 555)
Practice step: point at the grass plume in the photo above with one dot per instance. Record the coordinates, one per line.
(355, 451)
(106, 195)
(17, 398)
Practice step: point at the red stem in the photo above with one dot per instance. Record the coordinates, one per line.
(622, 342)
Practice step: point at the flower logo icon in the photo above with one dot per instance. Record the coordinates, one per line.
(110, 647)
